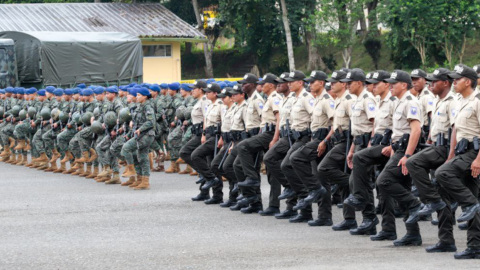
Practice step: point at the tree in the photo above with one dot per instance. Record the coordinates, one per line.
(315, 60)
(288, 34)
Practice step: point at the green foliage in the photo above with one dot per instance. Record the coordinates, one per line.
(373, 46)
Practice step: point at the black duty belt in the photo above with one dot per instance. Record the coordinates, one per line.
(362, 140)
(252, 132)
(268, 128)
(227, 137)
(197, 129)
(340, 137)
(297, 135)
(320, 134)
(211, 130)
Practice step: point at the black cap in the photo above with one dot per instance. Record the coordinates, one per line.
(418, 73)
(199, 84)
(378, 76)
(226, 92)
(337, 75)
(440, 74)
(295, 75)
(476, 68)
(237, 89)
(213, 87)
(328, 86)
(346, 70)
(400, 76)
(269, 78)
(368, 75)
(249, 78)
(282, 77)
(463, 71)
(355, 75)
(317, 75)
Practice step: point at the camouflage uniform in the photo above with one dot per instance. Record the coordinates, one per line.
(175, 136)
(103, 146)
(50, 136)
(42, 128)
(74, 144)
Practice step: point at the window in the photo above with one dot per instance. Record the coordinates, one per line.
(157, 50)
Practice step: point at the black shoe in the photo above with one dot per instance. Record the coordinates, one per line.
(201, 197)
(340, 205)
(287, 194)
(409, 240)
(320, 222)
(301, 204)
(211, 183)
(425, 218)
(469, 253)
(270, 211)
(252, 209)
(300, 218)
(368, 227)
(246, 201)
(383, 235)
(469, 212)
(249, 182)
(454, 206)
(432, 207)
(286, 214)
(200, 180)
(240, 197)
(378, 210)
(347, 224)
(236, 207)
(214, 201)
(315, 195)
(228, 203)
(398, 213)
(235, 188)
(435, 222)
(413, 215)
(463, 226)
(354, 202)
(441, 247)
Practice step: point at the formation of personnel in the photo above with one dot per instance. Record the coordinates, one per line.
(413, 138)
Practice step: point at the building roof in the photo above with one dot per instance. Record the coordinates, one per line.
(142, 20)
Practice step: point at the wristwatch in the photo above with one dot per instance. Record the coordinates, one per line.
(407, 156)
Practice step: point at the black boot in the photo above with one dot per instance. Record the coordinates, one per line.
(347, 224)
(320, 222)
(300, 218)
(469, 253)
(383, 235)
(270, 211)
(287, 194)
(201, 197)
(441, 247)
(253, 208)
(228, 203)
(214, 200)
(409, 240)
(368, 227)
(287, 214)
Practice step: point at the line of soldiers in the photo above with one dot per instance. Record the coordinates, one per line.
(407, 136)
(96, 127)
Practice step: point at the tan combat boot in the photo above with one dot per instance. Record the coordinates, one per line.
(130, 181)
(136, 183)
(68, 157)
(168, 157)
(20, 145)
(28, 146)
(6, 151)
(99, 179)
(80, 169)
(87, 172)
(43, 158)
(144, 185)
(18, 159)
(85, 157)
(115, 180)
(150, 159)
(194, 173)
(93, 155)
(63, 167)
(53, 167)
(55, 155)
(181, 161)
(187, 170)
(130, 171)
(73, 169)
(106, 171)
(12, 158)
(42, 166)
(11, 141)
(93, 174)
(172, 168)
(24, 161)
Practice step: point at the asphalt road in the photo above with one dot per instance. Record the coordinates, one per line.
(51, 221)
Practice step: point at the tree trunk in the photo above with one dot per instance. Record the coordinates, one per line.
(188, 48)
(288, 34)
(363, 22)
(372, 18)
(315, 60)
(207, 47)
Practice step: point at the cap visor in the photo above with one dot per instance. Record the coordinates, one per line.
(390, 80)
(261, 82)
(280, 80)
(346, 80)
(309, 79)
(432, 78)
(455, 76)
(416, 76)
(290, 80)
(221, 95)
(372, 81)
(332, 80)
(242, 81)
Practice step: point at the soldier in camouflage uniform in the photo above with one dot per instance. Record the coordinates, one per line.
(44, 126)
(12, 121)
(64, 138)
(23, 130)
(7, 107)
(124, 131)
(166, 99)
(175, 135)
(136, 149)
(50, 136)
(159, 106)
(188, 102)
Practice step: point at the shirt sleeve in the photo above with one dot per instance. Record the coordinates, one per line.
(370, 108)
(309, 103)
(413, 111)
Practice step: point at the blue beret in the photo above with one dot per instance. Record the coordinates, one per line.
(31, 91)
(174, 86)
(76, 90)
(99, 90)
(91, 87)
(41, 92)
(68, 91)
(164, 86)
(155, 87)
(81, 86)
(112, 89)
(222, 85)
(210, 81)
(9, 90)
(144, 92)
(123, 88)
(187, 87)
(50, 89)
(132, 91)
(87, 92)
(132, 85)
(58, 92)
(146, 85)
(2, 91)
(21, 90)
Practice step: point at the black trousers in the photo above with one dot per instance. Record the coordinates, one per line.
(455, 178)
(186, 154)
(394, 186)
(219, 172)
(272, 159)
(361, 183)
(305, 161)
(331, 170)
(228, 165)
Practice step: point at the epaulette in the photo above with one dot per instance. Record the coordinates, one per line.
(409, 98)
(427, 92)
(451, 97)
(254, 97)
(274, 95)
(392, 98)
(478, 96)
(220, 102)
(326, 96)
(348, 97)
(204, 98)
(365, 96)
(305, 94)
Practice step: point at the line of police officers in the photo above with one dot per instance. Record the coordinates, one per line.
(349, 134)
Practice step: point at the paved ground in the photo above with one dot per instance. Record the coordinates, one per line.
(51, 221)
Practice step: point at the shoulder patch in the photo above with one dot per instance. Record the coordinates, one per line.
(305, 94)
(365, 96)
(327, 96)
(392, 98)
(409, 98)
(348, 97)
